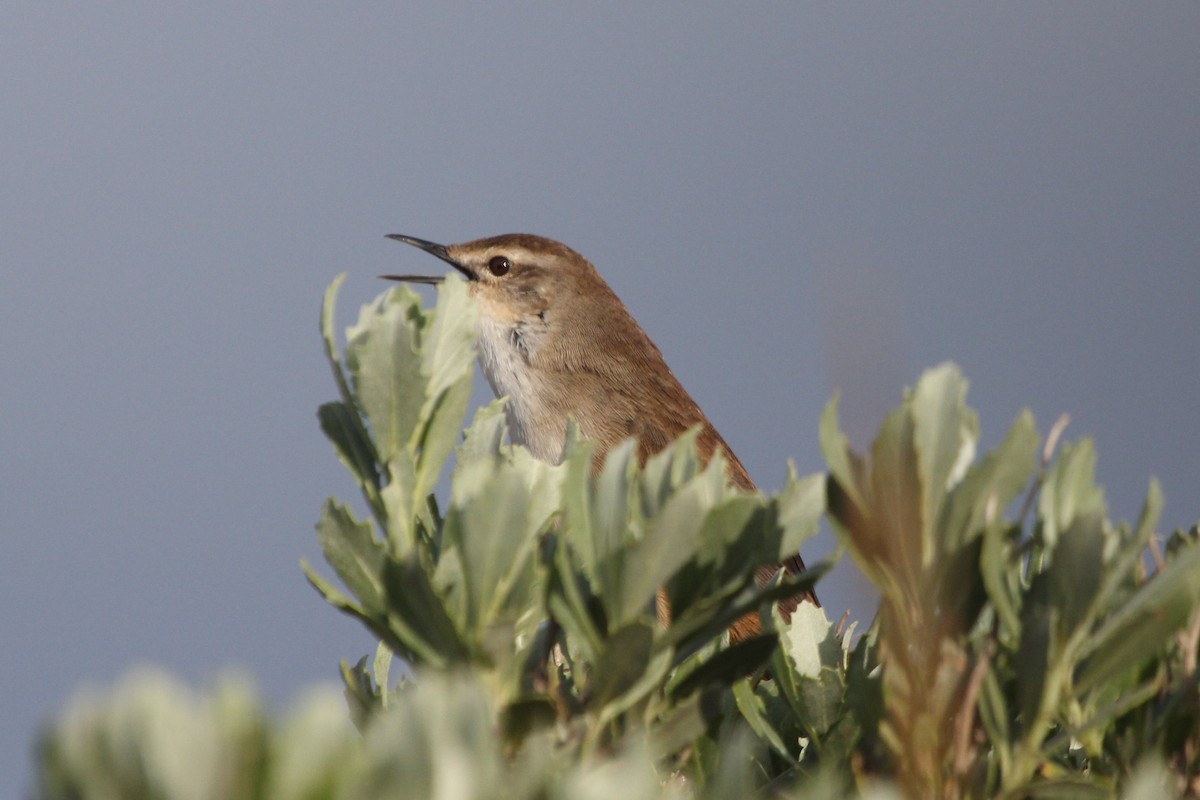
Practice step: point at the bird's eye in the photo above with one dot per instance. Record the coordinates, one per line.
(499, 265)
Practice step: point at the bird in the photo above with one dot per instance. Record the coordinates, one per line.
(554, 338)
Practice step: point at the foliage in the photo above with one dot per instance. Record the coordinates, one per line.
(1022, 646)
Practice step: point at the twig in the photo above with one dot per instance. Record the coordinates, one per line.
(964, 725)
(841, 625)
(1156, 553)
(1188, 642)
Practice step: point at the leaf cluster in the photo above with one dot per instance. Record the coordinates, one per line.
(561, 632)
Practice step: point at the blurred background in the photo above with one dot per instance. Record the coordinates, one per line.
(792, 199)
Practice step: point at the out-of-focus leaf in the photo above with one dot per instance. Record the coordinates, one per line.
(1150, 781)
(944, 435)
(685, 722)
(523, 716)
(994, 482)
(1034, 653)
(1069, 787)
(380, 668)
(994, 569)
(154, 737)
(1069, 489)
(1123, 567)
(312, 749)
(738, 756)
(1144, 625)
(628, 774)
(753, 711)
(622, 662)
(993, 713)
(361, 699)
(437, 742)
(1076, 570)
(892, 546)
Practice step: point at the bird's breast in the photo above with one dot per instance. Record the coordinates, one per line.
(505, 355)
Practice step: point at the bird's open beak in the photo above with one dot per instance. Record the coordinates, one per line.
(436, 249)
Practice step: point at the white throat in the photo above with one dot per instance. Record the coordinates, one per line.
(505, 352)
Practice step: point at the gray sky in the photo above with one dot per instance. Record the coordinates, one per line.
(790, 199)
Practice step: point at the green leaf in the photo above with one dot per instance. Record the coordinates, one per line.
(754, 712)
(709, 619)
(385, 368)
(342, 426)
(596, 517)
(330, 594)
(809, 669)
(670, 540)
(800, 505)
(328, 306)
(442, 420)
(447, 351)
(672, 467)
(809, 642)
(736, 661)
(1069, 787)
(397, 496)
(448, 347)
(355, 554)
(485, 436)
(835, 447)
(418, 618)
(489, 522)
(735, 538)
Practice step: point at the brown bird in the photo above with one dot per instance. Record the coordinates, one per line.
(556, 340)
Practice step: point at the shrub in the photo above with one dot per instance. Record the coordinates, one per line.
(1022, 646)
